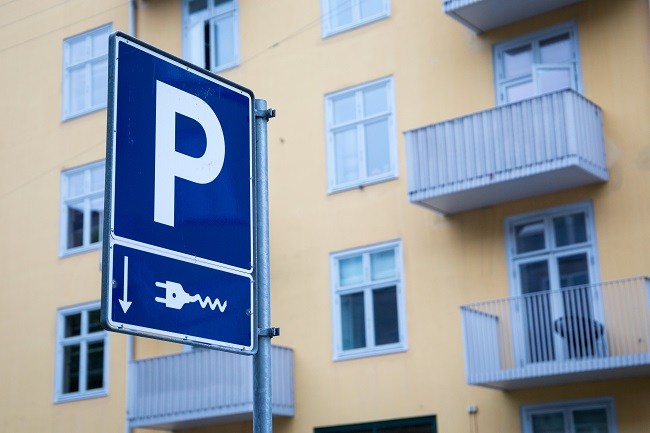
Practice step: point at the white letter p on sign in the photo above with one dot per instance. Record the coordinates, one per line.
(170, 164)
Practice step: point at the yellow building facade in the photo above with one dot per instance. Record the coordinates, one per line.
(458, 207)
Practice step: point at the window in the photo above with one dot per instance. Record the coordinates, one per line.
(341, 15)
(368, 301)
(589, 416)
(538, 63)
(211, 33)
(425, 424)
(81, 357)
(360, 135)
(82, 208)
(85, 72)
(552, 258)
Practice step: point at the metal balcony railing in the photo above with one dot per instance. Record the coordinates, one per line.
(202, 387)
(536, 146)
(484, 15)
(592, 332)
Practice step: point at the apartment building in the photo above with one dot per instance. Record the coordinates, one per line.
(458, 205)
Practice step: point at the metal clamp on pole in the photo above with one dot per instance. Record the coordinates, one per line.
(268, 332)
(265, 114)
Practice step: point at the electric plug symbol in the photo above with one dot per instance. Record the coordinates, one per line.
(176, 297)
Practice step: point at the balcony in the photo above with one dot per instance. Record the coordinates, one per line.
(537, 146)
(484, 15)
(203, 387)
(595, 332)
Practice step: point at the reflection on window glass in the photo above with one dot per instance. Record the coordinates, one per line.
(81, 353)
(517, 61)
(570, 229)
(369, 297)
(71, 368)
(590, 421)
(530, 237)
(548, 423)
(75, 227)
(351, 271)
(384, 304)
(353, 321)
(556, 49)
(360, 137)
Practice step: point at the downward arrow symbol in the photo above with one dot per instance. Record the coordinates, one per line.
(124, 302)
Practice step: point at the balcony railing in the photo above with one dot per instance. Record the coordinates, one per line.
(484, 15)
(203, 387)
(532, 147)
(595, 332)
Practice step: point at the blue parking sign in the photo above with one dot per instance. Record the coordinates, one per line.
(179, 201)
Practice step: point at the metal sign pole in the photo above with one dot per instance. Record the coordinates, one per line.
(262, 415)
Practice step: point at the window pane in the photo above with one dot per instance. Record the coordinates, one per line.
(556, 49)
(96, 219)
(76, 184)
(384, 304)
(75, 225)
(534, 277)
(72, 325)
(530, 237)
(553, 79)
(574, 270)
(353, 331)
(77, 89)
(95, 373)
(100, 43)
(346, 155)
(519, 91)
(71, 369)
(377, 149)
(93, 321)
(590, 421)
(197, 5)
(97, 179)
(548, 422)
(78, 49)
(570, 229)
(370, 8)
(350, 271)
(344, 109)
(375, 100)
(99, 83)
(224, 44)
(340, 13)
(517, 61)
(382, 265)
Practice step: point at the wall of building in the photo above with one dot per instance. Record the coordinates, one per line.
(441, 70)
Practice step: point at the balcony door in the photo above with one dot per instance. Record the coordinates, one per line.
(557, 309)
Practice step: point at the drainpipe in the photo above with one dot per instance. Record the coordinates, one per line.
(133, 6)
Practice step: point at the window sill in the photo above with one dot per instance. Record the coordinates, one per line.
(65, 398)
(80, 250)
(71, 116)
(343, 29)
(362, 183)
(365, 353)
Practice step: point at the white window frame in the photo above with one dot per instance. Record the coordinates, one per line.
(359, 122)
(328, 28)
(210, 14)
(550, 253)
(501, 83)
(68, 66)
(82, 340)
(367, 287)
(86, 197)
(567, 407)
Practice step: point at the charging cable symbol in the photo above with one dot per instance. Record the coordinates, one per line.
(176, 297)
